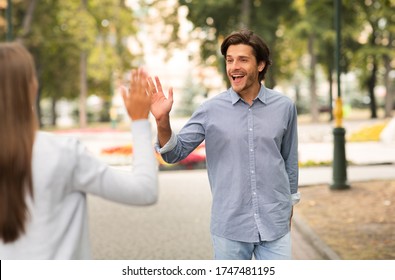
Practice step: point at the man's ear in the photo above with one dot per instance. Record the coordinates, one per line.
(261, 66)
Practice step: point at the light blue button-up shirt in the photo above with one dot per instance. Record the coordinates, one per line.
(252, 162)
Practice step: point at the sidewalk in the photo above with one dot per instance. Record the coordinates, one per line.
(369, 161)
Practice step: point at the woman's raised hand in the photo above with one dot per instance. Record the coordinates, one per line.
(137, 99)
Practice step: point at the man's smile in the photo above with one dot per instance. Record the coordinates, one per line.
(237, 77)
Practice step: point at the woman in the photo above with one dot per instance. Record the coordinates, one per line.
(44, 178)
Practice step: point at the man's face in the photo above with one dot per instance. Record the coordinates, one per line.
(242, 68)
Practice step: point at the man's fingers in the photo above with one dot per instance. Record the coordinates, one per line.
(170, 94)
(151, 86)
(158, 84)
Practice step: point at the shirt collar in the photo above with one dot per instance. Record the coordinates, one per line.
(235, 97)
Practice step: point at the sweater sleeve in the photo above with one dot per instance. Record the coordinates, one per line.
(139, 186)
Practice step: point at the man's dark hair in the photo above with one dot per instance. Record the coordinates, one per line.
(247, 37)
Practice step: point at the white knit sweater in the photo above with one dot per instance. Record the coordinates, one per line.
(63, 173)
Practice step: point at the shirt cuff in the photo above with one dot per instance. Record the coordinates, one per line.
(168, 146)
(295, 198)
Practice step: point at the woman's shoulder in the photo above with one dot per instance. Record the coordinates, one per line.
(51, 142)
(54, 138)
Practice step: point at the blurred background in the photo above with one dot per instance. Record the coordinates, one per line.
(84, 50)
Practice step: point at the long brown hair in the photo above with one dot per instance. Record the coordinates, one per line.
(17, 129)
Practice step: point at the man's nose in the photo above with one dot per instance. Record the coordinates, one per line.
(235, 65)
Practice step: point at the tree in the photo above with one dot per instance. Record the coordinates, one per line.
(27, 20)
(307, 22)
(376, 46)
(299, 27)
(56, 42)
(308, 27)
(64, 36)
(216, 19)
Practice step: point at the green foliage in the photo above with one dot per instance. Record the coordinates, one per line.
(55, 51)
(287, 27)
(220, 18)
(62, 30)
(165, 17)
(374, 35)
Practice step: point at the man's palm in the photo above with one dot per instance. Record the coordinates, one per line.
(160, 104)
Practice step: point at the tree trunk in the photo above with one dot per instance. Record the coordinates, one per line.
(38, 108)
(53, 111)
(245, 13)
(27, 20)
(389, 96)
(83, 82)
(270, 79)
(330, 101)
(39, 91)
(312, 80)
(83, 89)
(371, 86)
(299, 106)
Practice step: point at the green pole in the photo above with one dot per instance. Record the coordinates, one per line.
(339, 163)
(9, 36)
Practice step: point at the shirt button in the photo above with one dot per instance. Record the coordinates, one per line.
(252, 171)
(251, 150)
(250, 129)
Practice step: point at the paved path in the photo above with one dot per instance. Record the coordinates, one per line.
(177, 227)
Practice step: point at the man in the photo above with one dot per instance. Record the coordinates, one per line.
(250, 133)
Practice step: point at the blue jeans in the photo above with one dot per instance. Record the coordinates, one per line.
(279, 249)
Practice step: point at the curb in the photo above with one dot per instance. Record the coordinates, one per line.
(313, 239)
